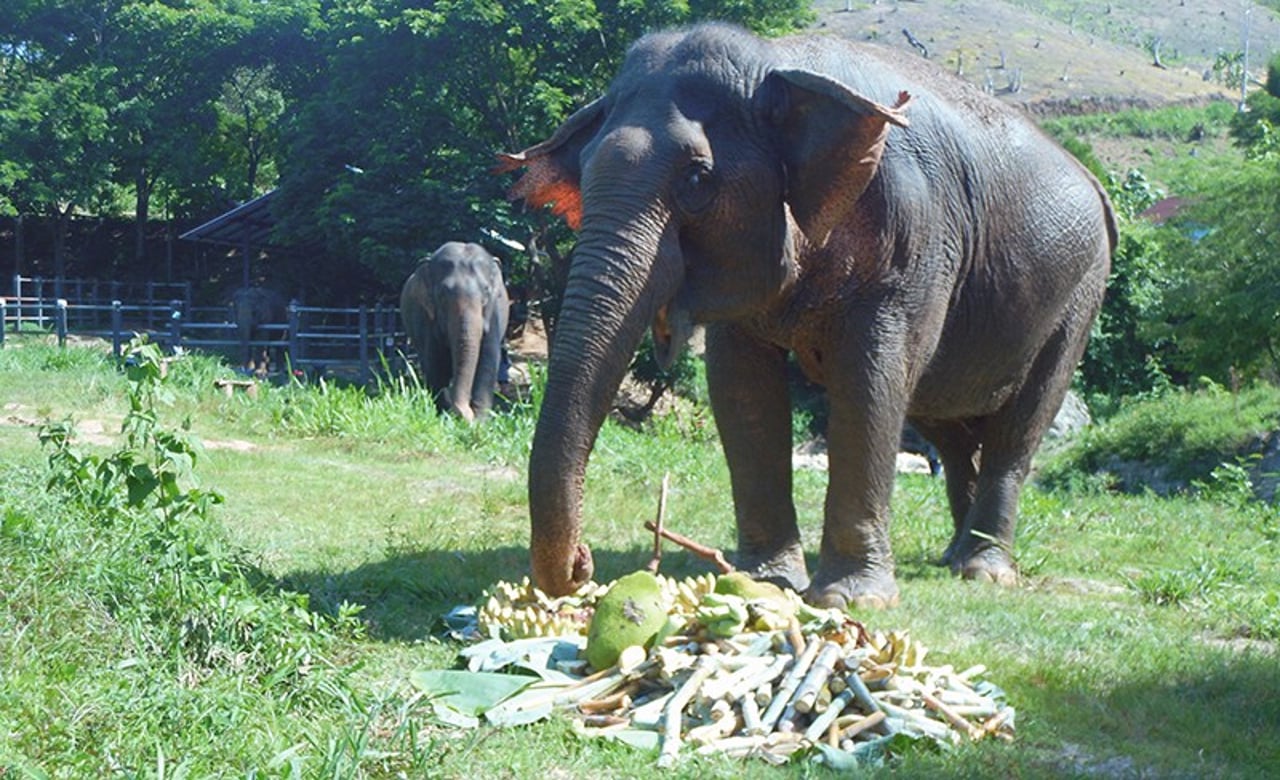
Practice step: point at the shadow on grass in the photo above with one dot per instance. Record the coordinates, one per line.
(1216, 716)
(405, 596)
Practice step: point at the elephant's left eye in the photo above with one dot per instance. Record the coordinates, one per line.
(696, 188)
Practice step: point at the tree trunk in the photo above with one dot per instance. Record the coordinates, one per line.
(142, 214)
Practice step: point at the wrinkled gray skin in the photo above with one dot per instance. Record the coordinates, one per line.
(454, 307)
(927, 256)
(251, 308)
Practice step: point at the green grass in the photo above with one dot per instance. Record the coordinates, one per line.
(1143, 641)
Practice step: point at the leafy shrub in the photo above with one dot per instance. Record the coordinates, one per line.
(1191, 433)
(163, 570)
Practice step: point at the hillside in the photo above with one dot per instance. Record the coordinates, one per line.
(1070, 56)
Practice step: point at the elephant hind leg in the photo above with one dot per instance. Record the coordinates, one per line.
(960, 452)
(983, 549)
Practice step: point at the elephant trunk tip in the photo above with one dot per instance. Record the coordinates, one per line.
(580, 571)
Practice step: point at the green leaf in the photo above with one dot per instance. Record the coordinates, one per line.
(468, 692)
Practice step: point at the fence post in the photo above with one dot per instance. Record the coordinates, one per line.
(295, 343)
(117, 324)
(39, 301)
(60, 323)
(175, 324)
(364, 345)
(151, 303)
(17, 301)
(4, 317)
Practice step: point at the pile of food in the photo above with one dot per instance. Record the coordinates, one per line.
(726, 665)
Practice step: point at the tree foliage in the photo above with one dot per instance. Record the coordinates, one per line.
(110, 105)
(1224, 309)
(392, 154)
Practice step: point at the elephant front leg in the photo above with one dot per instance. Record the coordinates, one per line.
(747, 382)
(855, 565)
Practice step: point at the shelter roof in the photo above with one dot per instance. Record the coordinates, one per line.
(249, 224)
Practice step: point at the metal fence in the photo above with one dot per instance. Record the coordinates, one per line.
(350, 343)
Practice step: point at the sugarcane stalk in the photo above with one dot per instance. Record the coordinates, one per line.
(795, 636)
(700, 550)
(747, 678)
(750, 713)
(928, 726)
(861, 693)
(735, 747)
(672, 713)
(960, 724)
(723, 723)
(658, 520)
(854, 729)
(825, 720)
(789, 683)
(823, 665)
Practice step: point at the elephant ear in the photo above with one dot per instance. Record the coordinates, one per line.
(552, 172)
(831, 139)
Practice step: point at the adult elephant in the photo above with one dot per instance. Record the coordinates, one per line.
(925, 252)
(251, 308)
(454, 307)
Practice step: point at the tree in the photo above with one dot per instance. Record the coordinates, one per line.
(56, 148)
(1226, 305)
(106, 98)
(391, 155)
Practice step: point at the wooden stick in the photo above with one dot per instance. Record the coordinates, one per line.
(700, 550)
(656, 560)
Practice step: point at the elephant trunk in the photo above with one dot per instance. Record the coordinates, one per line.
(466, 329)
(612, 293)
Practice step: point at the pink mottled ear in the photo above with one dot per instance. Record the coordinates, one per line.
(552, 173)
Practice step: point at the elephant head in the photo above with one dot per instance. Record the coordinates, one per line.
(454, 306)
(698, 183)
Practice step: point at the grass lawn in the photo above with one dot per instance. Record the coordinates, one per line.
(1142, 642)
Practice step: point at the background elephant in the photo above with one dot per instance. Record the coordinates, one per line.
(454, 306)
(251, 308)
(925, 253)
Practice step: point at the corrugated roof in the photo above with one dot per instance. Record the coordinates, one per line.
(249, 223)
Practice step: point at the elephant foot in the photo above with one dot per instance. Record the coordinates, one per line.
(862, 591)
(989, 564)
(949, 554)
(784, 568)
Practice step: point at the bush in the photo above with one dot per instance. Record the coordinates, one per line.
(162, 569)
(1192, 434)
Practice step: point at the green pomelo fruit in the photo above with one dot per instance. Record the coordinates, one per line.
(632, 612)
(740, 584)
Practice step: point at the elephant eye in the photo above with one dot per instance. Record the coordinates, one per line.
(696, 188)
